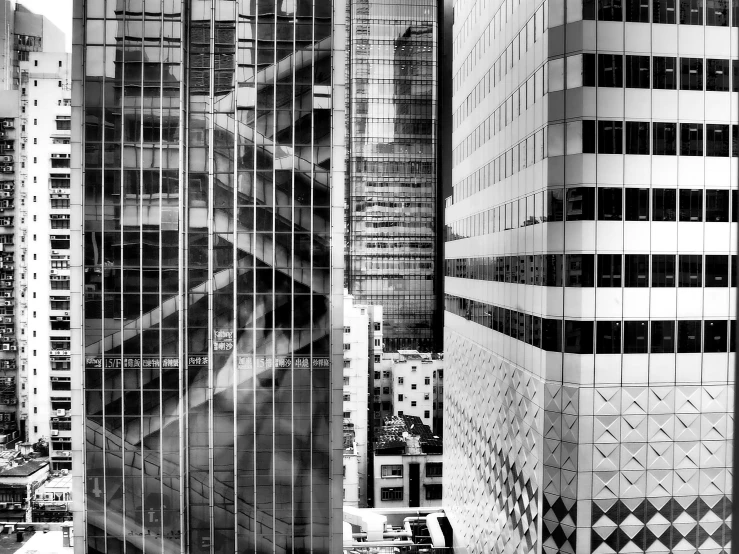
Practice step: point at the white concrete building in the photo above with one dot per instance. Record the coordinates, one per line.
(408, 382)
(408, 465)
(44, 276)
(362, 350)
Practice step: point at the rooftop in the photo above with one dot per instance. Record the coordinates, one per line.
(24, 470)
(398, 433)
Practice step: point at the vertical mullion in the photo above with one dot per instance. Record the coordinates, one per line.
(273, 273)
(235, 269)
(210, 280)
(160, 508)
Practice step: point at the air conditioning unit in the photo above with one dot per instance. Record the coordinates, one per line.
(67, 453)
(3, 505)
(13, 347)
(53, 272)
(55, 251)
(17, 506)
(66, 313)
(8, 302)
(6, 347)
(6, 123)
(54, 432)
(61, 412)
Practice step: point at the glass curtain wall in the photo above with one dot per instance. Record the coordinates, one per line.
(391, 238)
(207, 275)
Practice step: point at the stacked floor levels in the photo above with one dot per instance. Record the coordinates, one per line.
(590, 282)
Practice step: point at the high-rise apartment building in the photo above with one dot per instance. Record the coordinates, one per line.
(393, 138)
(590, 276)
(211, 160)
(362, 346)
(34, 208)
(43, 302)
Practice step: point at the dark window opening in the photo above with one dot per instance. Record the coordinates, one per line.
(665, 73)
(636, 270)
(610, 207)
(663, 270)
(610, 70)
(665, 139)
(635, 337)
(691, 139)
(581, 204)
(688, 336)
(691, 12)
(714, 336)
(717, 140)
(691, 74)
(717, 205)
(609, 270)
(637, 204)
(664, 205)
(610, 137)
(663, 337)
(608, 337)
(717, 270)
(690, 270)
(691, 205)
(637, 137)
(717, 75)
(637, 67)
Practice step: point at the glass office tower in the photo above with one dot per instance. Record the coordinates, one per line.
(391, 210)
(204, 133)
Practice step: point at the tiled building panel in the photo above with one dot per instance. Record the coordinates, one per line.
(492, 433)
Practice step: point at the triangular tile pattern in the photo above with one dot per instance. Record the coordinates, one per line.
(669, 524)
(493, 443)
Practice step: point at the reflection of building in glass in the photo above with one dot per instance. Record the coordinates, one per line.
(209, 301)
(391, 209)
(590, 286)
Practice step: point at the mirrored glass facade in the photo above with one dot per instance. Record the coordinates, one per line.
(206, 142)
(391, 205)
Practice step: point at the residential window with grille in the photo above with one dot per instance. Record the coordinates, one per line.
(691, 73)
(391, 493)
(717, 75)
(610, 70)
(433, 491)
(637, 204)
(664, 71)
(391, 471)
(717, 140)
(691, 205)
(434, 469)
(637, 137)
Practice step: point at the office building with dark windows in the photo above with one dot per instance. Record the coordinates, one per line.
(590, 284)
(210, 153)
(393, 137)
